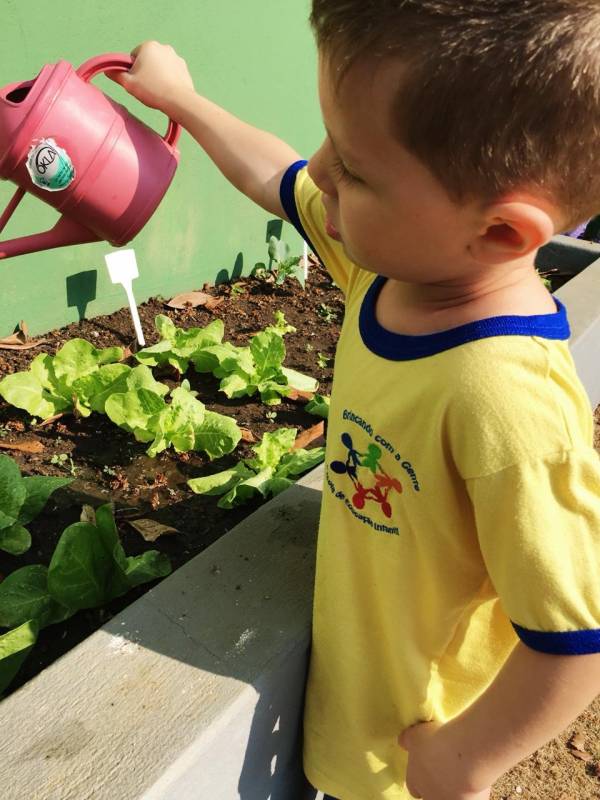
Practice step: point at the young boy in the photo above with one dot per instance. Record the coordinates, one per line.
(457, 600)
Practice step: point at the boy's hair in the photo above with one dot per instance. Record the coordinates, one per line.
(500, 94)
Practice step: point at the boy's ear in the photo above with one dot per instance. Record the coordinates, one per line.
(511, 229)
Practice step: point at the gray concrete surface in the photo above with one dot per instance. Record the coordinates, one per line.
(581, 296)
(194, 692)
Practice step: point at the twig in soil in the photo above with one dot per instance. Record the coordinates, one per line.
(50, 420)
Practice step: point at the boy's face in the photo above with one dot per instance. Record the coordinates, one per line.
(390, 213)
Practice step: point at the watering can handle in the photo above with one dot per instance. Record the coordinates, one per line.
(121, 62)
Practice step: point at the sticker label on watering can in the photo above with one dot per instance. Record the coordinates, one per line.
(49, 166)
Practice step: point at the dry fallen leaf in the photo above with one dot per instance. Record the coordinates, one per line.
(160, 481)
(24, 346)
(155, 500)
(297, 394)
(120, 482)
(247, 435)
(15, 425)
(308, 436)
(151, 529)
(26, 446)
(20, 340)
(577, 741)
(580, 754)
(194, 299)
(214, 302)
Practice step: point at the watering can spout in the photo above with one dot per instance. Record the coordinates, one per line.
(66, 232)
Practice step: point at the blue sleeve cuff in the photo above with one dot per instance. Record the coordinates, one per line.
(567, 643)
(288, 199)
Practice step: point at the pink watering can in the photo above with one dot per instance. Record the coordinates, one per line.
(64, 141)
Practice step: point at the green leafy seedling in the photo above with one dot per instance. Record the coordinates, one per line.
(323, 360)
(319, 406)
(327, 313)
(283, 265)
(65, 461)
(238, 289)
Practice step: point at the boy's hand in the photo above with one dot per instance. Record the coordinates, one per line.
(435, 771)
(158, 75)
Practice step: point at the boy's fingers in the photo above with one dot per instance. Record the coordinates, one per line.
(118, 76)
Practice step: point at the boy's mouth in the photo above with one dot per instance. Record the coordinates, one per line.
(331, 230)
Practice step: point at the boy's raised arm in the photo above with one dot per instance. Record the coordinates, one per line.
(253, 160)
(533, 699)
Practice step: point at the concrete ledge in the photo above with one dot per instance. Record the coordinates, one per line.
(581, 296)
(194, 692)
(571, 255)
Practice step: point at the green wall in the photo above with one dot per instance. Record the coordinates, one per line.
(254, 57)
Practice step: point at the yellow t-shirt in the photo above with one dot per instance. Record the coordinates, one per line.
(460, 510)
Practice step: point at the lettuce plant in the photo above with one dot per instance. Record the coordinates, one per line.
(51, 384)
(88, 569)
(21, 500)
(243, 371)
(177, 346)
(319, 406)
(268, 473)
(184, 423)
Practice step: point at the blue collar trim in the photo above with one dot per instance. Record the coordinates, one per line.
(288, 199)
(401, 347)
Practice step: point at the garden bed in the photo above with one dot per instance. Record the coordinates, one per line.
(107, 464)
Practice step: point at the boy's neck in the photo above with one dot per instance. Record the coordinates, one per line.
(417, 309)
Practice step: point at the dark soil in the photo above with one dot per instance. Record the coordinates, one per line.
(110, 466)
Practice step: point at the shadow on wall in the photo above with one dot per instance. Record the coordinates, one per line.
(81, 290)
(274, 228)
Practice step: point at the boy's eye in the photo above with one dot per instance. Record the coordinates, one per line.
(343, 172)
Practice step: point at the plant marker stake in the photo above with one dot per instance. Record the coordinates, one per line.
(122, 268)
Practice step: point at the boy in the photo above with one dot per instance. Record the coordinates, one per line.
(457, 598)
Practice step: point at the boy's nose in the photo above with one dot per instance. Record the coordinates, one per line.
(319, 172)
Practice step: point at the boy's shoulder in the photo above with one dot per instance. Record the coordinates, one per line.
(512, 399)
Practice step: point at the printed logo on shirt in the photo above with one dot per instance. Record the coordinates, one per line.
(373, 487)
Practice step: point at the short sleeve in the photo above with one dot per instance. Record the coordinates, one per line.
(538, 525)
(301, 201)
